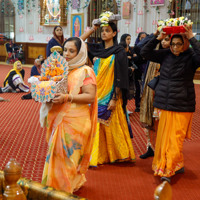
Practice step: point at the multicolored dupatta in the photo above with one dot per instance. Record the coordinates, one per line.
(104, 70)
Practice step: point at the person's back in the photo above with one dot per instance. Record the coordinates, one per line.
(8, 48)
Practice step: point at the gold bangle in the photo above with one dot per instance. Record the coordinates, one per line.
(66, 98)
(71, 98)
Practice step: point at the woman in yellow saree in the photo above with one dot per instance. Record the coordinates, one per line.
(112, 140)
(71, 123)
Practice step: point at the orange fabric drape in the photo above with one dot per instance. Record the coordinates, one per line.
(173, 128)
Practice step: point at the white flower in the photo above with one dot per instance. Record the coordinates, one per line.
(173, 22)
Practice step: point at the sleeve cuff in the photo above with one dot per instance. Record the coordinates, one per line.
(192, 40)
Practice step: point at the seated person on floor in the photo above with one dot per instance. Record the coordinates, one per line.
(41, 58)
(36, 69)
(14, 81)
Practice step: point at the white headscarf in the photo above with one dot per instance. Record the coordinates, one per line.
(80, 58)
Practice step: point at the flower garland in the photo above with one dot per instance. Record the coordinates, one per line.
(20, 7)
(180, 21)
(30, 6)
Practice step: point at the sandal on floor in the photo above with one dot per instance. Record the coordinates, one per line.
(180, 171)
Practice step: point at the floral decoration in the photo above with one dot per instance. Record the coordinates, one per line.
(180, 21)
(7, 8)
(104, 18)
(81, 5)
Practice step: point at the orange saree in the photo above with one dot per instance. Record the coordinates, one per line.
(70, 133)
(173, 128)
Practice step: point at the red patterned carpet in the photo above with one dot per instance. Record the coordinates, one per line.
(21, 137)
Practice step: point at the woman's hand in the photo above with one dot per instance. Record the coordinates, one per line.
(156, 33)
(134, 55)
(133, 69)
(17, 90)
(188, 33)
(161, 36)
(94, 26)
(94, 59)
(59, 98)
(112, 104)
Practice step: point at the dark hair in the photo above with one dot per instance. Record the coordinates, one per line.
(61, 40)
(177, 36)
(138, 37)
(123, 44)
(39, 56)
(124, 36)
(169, 35)
(76, 41)
(114, 28)
(56, 28)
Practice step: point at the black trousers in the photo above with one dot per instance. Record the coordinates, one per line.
(137, 93)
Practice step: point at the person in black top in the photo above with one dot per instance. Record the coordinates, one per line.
(149, 116)
(125, 42)
(174, 97)
(140, 62)
(12, 50)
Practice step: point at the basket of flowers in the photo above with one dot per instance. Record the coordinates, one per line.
(173, 25)
(105, 18)
(53, 79)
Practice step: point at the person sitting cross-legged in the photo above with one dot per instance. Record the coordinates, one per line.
(14, 81)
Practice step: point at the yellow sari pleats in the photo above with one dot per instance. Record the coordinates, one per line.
(173, 128)
(112, 141)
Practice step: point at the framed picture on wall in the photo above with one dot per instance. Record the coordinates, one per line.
(157, 2)
(126, 11)
(77, 24)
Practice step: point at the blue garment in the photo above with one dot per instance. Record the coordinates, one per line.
(145, 40)
(34, 71)
(52, 42)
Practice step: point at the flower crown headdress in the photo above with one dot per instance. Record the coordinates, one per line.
(105, 18)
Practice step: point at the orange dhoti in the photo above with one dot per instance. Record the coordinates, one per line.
(173, 128)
